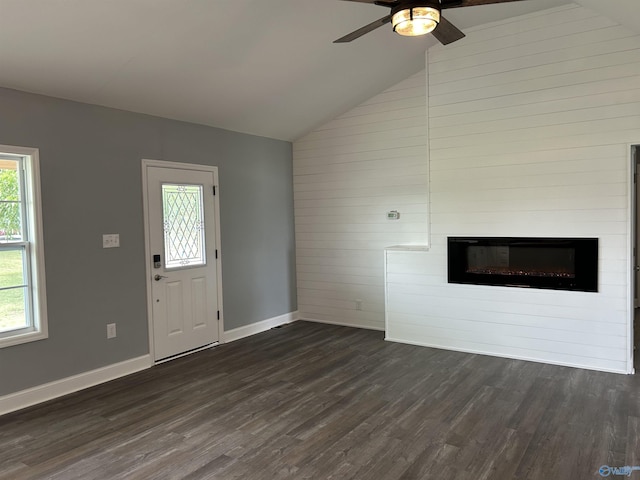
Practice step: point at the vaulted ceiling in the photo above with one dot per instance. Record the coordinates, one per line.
(265, 67)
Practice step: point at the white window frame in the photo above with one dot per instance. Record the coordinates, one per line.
(34, 248)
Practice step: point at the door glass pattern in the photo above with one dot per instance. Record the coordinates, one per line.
(183, 222)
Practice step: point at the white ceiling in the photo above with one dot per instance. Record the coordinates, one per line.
(265, 67)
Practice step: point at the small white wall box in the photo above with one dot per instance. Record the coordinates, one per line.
(111, 240)
(393, 215)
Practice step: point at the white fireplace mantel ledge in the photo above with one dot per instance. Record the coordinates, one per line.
(407, 248)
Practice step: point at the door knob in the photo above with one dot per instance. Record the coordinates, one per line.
(157, 278)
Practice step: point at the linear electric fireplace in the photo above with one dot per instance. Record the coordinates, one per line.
(553, 263)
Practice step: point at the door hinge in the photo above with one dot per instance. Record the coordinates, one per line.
(216, 253)
(218, 314)
(214, 190)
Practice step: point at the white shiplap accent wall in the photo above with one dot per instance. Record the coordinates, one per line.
(530, 122)
(347, 175)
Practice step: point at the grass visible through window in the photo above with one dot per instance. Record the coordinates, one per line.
(12, 313)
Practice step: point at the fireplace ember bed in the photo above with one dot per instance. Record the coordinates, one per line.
(534, 262)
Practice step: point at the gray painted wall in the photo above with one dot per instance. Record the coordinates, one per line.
(90, 161)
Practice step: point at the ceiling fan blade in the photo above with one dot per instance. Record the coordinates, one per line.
(383, 3)
(471, 3)
(446, 32)
(366, 29)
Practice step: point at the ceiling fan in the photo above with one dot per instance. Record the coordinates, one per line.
(413, 17)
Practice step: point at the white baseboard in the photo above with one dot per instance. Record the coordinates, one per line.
(48, 391)
(259, 327)
(343, 324)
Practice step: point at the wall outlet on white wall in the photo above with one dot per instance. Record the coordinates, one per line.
(110, 240)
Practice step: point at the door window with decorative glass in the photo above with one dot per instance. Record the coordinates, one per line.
(183, 218)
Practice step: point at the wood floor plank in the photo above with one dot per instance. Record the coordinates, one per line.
(314, 401)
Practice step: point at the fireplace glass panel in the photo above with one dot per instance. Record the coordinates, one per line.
(503, 260)
(553, 263)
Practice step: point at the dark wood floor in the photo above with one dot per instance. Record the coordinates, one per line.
(325, 402)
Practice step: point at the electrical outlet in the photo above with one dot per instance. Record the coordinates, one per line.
(111, 240)
(111, 330)
(358, 304)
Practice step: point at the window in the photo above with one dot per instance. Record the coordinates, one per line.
(22, 287)
(182, 212)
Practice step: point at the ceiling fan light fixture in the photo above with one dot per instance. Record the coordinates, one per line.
(415, 21)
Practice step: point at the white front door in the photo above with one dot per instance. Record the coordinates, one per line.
(182, 258)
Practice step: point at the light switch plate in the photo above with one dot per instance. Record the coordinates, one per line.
(110, 240)
(111, 330)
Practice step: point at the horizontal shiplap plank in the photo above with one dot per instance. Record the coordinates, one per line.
(385, 226)
(583, 42)
(373, 143)
(347, 296)
(537, 85)
(485, 310)
(344, 313)
(529, 195)
(526, 326)
(605, 154)
(332, 181)
(412, 186)
(587, 66)
(309, 299)
(344, 269)
(559, 167)
(359, 214)
(358, 290)
(505, 146)
(542, 133)
(580, 93)
(329, 158)
(562, 106)
(510, 201)
(541, 180)
(343, 261)
(301, 173)
(610, 217)
(559, 119)
(615, 40)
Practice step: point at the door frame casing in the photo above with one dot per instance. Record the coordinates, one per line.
(632, 149)
(146, 163)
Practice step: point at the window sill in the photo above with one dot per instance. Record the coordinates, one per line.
(19, 338)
